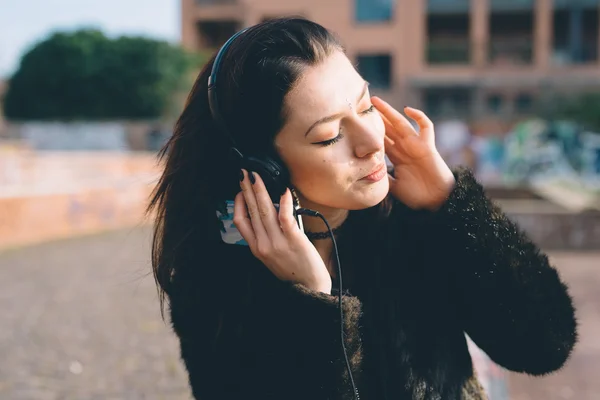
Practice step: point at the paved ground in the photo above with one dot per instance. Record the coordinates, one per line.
(580, 378)
(79, 320)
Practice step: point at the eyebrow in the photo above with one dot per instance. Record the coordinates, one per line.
(337, 115)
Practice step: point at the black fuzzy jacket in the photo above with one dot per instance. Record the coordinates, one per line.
(418, 281)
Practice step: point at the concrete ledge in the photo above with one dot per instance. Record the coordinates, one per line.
(553, 227)
(53, 195)
(30, 219)
(33, 219)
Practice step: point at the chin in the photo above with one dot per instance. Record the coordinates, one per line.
(357, 197)
(370, 195)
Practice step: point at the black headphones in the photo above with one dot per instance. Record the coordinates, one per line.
(274, 175)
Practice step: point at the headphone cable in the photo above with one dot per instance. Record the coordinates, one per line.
(313, 213)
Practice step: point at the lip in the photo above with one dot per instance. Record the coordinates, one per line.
(377, 174)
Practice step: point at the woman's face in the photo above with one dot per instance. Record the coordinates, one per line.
(332, 142)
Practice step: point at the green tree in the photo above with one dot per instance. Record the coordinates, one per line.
(584, 109)
(84, 75)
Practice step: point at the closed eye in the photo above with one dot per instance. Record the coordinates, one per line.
(340, 134)
(331, 141)
(369, 110)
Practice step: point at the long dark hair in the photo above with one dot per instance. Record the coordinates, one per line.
(260, 67)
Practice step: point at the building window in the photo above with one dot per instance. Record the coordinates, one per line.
(373, 10)
(523, 103)
(511, 38)
(575, 33)
(448, 102)
(494, 103)
(215, 33)
(376, 69)
(448, 39)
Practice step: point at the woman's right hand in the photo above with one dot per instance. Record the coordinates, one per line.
(275, 238)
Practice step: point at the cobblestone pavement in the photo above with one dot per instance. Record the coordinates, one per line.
(79, 320)
(579, 379)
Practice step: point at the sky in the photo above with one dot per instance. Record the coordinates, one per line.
(25, 22)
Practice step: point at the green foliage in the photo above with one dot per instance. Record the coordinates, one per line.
(86, 75)
(584, 109)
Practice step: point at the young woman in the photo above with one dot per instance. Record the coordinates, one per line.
(425, 256)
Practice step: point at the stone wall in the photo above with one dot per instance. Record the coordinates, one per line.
(47, 196)
(552, 226)
(561, 231)
(50, 195)
(89, 135)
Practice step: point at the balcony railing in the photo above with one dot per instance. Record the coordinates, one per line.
(449, 52)
(563, 55)
(513, 51)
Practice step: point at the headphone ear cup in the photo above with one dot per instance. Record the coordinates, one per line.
(273, 175)
(278, 171)
(280, 176)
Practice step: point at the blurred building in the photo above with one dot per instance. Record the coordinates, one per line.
(3, 87)
(474, 59)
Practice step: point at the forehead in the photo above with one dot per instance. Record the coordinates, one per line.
(324, 89)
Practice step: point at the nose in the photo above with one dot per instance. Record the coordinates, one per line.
(367, 138)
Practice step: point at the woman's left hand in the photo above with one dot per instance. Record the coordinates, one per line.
(422, 179)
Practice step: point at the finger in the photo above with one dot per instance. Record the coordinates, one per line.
(241, 220)
(391, 148)
(257, 225)
(266, 209)
(391, 130)
(402, 126)
(287, 221)
(426, 129)
(392, 151)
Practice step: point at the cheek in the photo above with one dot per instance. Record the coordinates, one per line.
(314, 169)
(317, 172)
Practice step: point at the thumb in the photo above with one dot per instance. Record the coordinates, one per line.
(286, 213)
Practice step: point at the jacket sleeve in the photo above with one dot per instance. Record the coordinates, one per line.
(507, 296)
(283, 342)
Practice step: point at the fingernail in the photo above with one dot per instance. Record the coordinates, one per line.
(252, 178)
(241, 175)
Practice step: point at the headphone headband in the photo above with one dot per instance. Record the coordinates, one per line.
(275, 177)
(212, 86)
